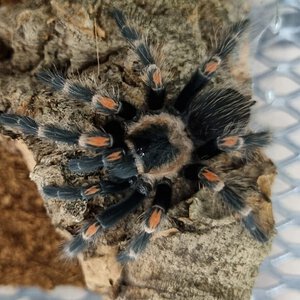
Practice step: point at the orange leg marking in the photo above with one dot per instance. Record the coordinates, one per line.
(229, 141)
(98, 141)
(212, 65)
(114, 156)
(210, 176)
(108, 103)
(156, 77)
(91, 230)
(155, 218)
(92, 190)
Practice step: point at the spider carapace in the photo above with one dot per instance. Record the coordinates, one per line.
(145, 151)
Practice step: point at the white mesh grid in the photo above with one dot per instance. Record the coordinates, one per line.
(276, 81)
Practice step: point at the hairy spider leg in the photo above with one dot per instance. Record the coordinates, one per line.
(212, 181)
(27, 125)
(248, 141)
(87, 164)
(152, 221)
(107, 219)
(156, 89)
(217, 120)
(229, 143)
(104, 102)
(97, 140)
(207, 70)
(215, 112)
(116, 128)
(123, 168)
(121, 171)
(119, 163)
(102, 188)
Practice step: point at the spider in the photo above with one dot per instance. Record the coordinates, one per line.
(143, 152)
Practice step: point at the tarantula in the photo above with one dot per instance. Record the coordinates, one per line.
(142, 151)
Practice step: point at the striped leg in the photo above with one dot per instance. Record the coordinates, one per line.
(216, 112)
(207, 70)
(86, 164)
(212, 181)
(156, 90)
(152, 221)
(234, 143)
(72, 193)
(235, 202)
(104, 102)
(107, 219)
(97, 140)
(118, 163)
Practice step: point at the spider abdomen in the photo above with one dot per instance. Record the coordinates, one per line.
(159, 144)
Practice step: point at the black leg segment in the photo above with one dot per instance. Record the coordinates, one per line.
(107, 103)
(206, 71)
(152, 222)
(152, 75)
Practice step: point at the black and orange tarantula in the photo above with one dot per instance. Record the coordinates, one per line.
(142, 151)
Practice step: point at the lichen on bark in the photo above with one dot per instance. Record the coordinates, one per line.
(197, 255)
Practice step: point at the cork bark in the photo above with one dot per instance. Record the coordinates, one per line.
(200, 253)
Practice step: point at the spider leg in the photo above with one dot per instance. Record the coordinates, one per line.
(156, 90)
(97, 140)
(249, 141)
(117, 130)
(114, 160)
(233, 143)
(151, 224)
(107, 219)
(235, 202)
(122, 168)
(215, 112)
(207, 70)
(104, 102)
(103, 188)
(86, 164)
(25, 124)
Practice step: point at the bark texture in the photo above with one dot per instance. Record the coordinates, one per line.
(200, 254)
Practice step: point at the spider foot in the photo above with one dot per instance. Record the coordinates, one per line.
(89, 234)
